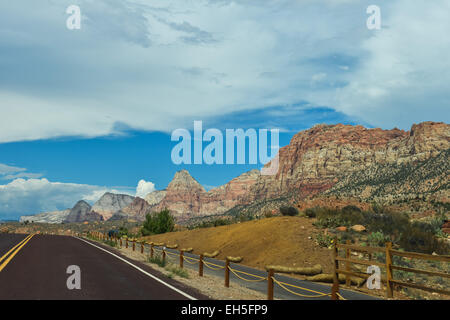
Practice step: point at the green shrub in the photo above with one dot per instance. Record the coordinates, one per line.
(289, 211)
(122, 232)
(221, 222)
(331, 222)
(418, 240)
(157, 260)
(268, 214)
(324, 240)
(378, 239)
(346, 236)
(178, 271)
(158, 222)
(110, 243)
(393, 224)
(310, 212)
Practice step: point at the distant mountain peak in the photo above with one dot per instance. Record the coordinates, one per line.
(183, 180)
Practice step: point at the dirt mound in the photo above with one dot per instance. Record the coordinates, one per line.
(280, 240)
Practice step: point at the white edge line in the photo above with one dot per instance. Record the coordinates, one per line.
(141, 270)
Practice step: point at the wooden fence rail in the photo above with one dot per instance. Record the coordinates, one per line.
(388, 266)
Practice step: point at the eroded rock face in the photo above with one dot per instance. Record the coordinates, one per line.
(237, 191)
(155, 197)
(316, 159)
(352, 161)
(111, 203)
(136, 210)
(47, 217)
(183, 195)
(327, 164)
(82, 212)
(186, 198)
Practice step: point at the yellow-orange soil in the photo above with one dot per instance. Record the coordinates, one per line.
(287, 241)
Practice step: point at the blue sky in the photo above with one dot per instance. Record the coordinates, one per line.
(91, 110)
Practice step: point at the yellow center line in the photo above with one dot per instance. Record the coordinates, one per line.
(6, 254)
(3, 265)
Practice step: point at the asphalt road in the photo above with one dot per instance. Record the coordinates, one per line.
(38, 270)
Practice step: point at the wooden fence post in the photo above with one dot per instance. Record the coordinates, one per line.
(134, 245)
(164, 256)
(270, 284)
(347, 265)
(227, 273)
(389, 287)
(181, 259)
(335, 287)
(142, 247)
(200, 266)
(151, 250)
(126, 243)
(121, 242)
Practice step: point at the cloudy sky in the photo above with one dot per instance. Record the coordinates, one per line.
(89, 110)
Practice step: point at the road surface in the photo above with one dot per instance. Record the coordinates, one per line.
(36, 268)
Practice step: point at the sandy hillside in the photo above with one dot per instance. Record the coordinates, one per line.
(278, 240)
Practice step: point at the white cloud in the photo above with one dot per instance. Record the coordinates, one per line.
(11, 173)
(143, 188)
(5, 169)
(404, 74)
(32, 196)
(160, 67)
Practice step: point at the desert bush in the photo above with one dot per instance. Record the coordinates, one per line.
(324, 240)
(418, 240)
(268, 214)
(351, 208)
(346, 236)
(243, 217)
(331, 222)
(393, 224)
(310, 213)
(158, 222)
(289, 211)
(378, 239)
(178, 271)
(110, 243)
(157, 260)
(122, 232)
(221, 222)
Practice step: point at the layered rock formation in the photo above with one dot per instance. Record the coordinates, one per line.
(155, 197)
(82, 212)
(47, 217)
(111, 203)
(318, 158)
(137, 210)
(344, 163)
(183, 195)
(333, 160)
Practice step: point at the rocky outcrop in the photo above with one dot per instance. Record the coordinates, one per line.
(331, 165)
(332, 161)
(186, 198)
(81, 212)
(111, 203)
(183, 195)
(236, 192)
(137, 210)
(47, 217)
(155, 197)
(318, 158)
